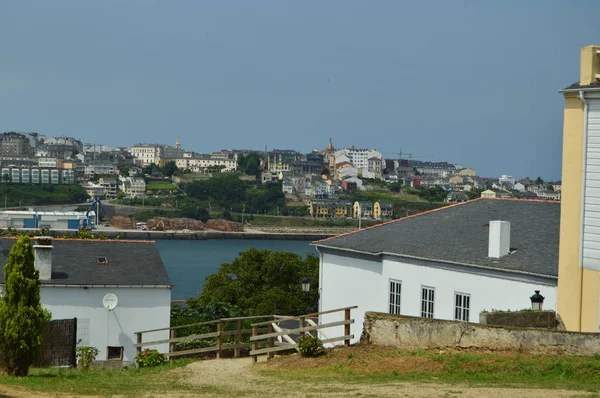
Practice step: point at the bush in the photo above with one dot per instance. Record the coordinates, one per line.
(22, 317)
(86, 355)
(310, 346)
(149, 358)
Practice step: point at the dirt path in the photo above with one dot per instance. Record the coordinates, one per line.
(231, 377)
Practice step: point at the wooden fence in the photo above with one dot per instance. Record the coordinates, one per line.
(237, 334)
(228, 336)
(266, 343)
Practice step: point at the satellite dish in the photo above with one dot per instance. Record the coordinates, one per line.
(110, 301)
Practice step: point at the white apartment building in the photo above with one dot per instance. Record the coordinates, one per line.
(133, 187)
(506, 180)
(146, 154)
(359, 158)
(50, 162)
(197, 161)
(29, 175)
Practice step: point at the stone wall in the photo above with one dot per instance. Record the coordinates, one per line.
(524, 319)
(422, 333)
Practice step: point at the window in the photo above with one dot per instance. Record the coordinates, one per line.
(427, 299)
(462, 305)
(395, 291)
(114, 353)
(102, 260)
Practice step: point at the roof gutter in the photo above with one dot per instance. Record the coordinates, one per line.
(103, 286)
(578, 90)
(583, 187)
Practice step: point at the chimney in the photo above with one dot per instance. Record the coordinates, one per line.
(499, 244)
(42, 250)
(590, 65)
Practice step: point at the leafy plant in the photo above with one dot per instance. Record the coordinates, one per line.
(263, 282)
(22, 317)
(86, 355)
(149, 358)
(310, 346)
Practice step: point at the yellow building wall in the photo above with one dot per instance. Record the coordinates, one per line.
(590, 65)
(377, 210)
(590, 300)
(569, 268)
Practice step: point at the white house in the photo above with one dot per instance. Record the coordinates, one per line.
(445, 264)
(506, 180)
(76, 275)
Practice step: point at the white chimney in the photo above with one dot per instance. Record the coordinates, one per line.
(42, 250)
(499, 244)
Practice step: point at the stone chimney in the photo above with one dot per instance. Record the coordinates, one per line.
(590, 65)
(42, 250)
(499, 243)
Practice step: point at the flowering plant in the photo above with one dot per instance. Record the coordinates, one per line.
(150, 357)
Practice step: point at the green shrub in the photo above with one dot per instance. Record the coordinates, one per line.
(149, 358)
(86, 355)
(22, 317)
(310, 346)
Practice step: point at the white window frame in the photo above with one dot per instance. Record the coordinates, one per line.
(462, 306)
(395, 296)
(427, 302)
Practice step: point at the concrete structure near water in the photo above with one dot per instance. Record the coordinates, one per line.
(70, 220)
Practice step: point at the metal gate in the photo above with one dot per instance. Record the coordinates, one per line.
(59, 339)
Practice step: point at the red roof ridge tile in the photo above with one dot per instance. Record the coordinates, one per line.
(90, 240)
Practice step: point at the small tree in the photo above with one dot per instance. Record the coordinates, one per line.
(22, 317)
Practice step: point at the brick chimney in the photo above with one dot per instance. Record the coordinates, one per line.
(42, 250)
(499, 243)
(590, 65)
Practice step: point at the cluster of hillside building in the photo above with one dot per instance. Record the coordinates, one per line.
(346, 209)
(31, 158)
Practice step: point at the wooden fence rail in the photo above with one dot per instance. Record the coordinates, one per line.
(268, 340)
(219, 345)
(262, 337)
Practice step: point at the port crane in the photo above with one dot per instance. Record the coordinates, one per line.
(98, 205)
(407, 156)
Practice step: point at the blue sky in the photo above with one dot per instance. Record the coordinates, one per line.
(471, 82)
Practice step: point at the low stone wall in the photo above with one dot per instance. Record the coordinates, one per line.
(523, 319)
(421, 333)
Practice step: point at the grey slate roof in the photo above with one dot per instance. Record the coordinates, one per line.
(577, 85)
(74, 262)
(459, 234)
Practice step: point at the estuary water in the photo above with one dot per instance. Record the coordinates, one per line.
(189, 262)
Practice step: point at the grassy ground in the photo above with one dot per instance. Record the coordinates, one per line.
(374, 365)
(128, 382)
(355, 371)
(160, 185)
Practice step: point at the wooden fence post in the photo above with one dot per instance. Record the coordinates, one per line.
(238, 328)
(219, 339)
(271, 355)
(172, 335)
(139, 341)
(254, 343)
(302, 324)
(347, 326)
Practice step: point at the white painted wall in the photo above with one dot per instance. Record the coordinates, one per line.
(139, 309)
(347, 281)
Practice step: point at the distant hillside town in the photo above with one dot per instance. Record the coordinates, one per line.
(316, 178)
